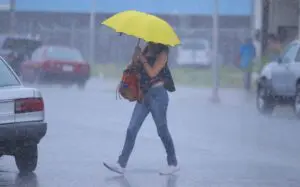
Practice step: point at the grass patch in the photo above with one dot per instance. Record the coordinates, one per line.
(229, 77)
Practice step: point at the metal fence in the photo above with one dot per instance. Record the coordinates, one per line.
(113, 48)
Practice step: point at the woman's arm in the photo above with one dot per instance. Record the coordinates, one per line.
(158, 65)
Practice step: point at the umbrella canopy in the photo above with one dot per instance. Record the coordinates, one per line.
(144, 26)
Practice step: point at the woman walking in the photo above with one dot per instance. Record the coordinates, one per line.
(155, 81)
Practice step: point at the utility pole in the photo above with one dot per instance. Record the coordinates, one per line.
(92, 32)
(215, 39)
(298, 19)
(257, 15)
(12, 16)
(73, 30)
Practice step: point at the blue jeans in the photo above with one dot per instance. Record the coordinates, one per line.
(156, 102)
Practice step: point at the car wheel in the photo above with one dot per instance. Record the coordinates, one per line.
(81, 85)
(26, 158)
(264, 103)
(297, 101)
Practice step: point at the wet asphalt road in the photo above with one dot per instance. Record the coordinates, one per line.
(227, 144)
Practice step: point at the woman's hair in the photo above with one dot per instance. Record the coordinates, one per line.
(158, 48)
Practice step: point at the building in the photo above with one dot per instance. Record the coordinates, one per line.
(279, 17)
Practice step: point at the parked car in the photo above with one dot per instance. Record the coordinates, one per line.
(22, 119)
(194, 52)
(279, 81)
(17, 49)
(56, 64)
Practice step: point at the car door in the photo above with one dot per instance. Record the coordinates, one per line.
(30, 65)
(293, 72)
(281, 73)
(7, 106)
(288, 63)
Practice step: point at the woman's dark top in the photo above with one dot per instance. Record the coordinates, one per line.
(164, 75)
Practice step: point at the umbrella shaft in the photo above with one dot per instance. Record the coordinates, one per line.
(138, 42)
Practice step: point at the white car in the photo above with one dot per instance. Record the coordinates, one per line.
(194, 52)
(22, 119)
(279, 81)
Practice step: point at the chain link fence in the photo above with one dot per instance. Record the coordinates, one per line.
(112, 48)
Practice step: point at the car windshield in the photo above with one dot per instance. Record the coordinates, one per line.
(64, 53)
(7, 78)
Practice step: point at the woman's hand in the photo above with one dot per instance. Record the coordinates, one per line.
(142, 58)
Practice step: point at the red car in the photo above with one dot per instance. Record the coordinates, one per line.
(56, 64)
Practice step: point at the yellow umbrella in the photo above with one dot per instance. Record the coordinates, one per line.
(143, 26)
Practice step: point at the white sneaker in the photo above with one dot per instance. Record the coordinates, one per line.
(115, 167)
(169, 170)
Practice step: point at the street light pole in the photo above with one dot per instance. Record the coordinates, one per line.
(92, 32)
(215, 39)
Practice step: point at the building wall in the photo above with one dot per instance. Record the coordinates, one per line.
(283, 19)
(283, 13)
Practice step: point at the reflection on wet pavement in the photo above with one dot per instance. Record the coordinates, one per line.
(11, 179)
(123, 181)
(26, 180)
(218, 145)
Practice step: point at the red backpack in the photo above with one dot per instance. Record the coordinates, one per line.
(129, 87)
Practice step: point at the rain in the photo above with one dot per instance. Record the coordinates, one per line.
(229, 128)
